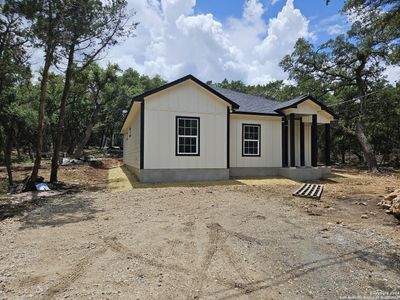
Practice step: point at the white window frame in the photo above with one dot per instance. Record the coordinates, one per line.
(258, 126)
(197, 137)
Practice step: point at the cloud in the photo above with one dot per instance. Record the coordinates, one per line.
(273, 2)
(172, 41)
(336, 29)
(392, 74)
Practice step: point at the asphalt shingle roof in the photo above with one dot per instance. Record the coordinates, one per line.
(290, 102)
(249, 103)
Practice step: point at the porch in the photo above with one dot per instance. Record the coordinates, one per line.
(300, 127)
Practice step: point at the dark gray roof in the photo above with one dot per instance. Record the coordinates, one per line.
(249, 103)
(241, 102)
(282, 105)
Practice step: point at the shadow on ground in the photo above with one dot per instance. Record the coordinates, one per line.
(59, 210)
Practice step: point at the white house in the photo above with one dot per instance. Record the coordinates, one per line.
(187, 130)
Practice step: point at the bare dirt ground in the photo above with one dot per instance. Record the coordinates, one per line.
(239, 239)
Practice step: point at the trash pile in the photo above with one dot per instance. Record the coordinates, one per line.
(391, 203)
(71, 161)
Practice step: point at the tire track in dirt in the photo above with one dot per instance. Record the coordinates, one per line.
(242, 280)
(217, 241)
(213, 241)
(118, 247)
(67, 280)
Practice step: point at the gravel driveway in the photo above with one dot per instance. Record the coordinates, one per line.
(216, 242)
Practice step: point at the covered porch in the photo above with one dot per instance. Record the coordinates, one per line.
(301, 124)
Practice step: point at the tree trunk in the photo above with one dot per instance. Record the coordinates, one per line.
(79, 149)
(30, 152)
(30, 185)
(103, 136)
(7, 155)
(60, 125)
(367, 149)
(88, 133)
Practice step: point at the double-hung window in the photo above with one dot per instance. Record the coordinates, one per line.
(251, 134)
(187, 136)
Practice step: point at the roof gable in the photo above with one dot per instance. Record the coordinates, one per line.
(241, 103)
(180, 80)
(298, 100)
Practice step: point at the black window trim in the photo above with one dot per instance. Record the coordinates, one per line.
(176, 136)
(259, 140)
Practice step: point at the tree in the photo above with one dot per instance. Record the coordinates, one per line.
(44, 17)
(14, 71)
(102, 88)
(88, 28)
(355, 61)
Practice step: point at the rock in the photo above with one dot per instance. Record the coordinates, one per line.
(364, 216)
(392, 195)
(385, 204)
(391, 203)
(395, 209)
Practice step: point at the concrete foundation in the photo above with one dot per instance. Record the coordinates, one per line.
(253, 172)
(181, 175)
(305, 173)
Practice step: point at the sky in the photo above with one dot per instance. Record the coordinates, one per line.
(217, 39)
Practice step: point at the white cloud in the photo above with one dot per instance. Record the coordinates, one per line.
(172, 41)
(335, 29)
(392, 73)
(273, 2)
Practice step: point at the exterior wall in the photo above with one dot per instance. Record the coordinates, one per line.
(132, 142)
(271, 142)
(185, 99)
(309, 108)
(307, 143)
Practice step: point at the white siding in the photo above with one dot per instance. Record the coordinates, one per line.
(297, 142)
(271, 141)
(132, 143)
(307, 143)
(308, 108)
(184, 99)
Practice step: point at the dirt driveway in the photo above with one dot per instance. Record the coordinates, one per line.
(234, 241)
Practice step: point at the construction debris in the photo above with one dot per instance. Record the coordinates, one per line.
(71, 161)
(42, 187)
(309, 190)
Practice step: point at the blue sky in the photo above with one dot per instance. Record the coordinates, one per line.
(216, 39)
(316, 11)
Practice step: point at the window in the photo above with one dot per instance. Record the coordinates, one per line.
(251, 135)
(187, 136)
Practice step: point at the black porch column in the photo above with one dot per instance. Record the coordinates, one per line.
(284, 142)
(328, 144)
(314, 141)
(302, 157)
(292, 141)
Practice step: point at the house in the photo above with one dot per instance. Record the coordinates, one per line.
(187, 130)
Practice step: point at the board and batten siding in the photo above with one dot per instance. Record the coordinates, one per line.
(271, 144)
(132, 142)
(186, 99)
(307, 143)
